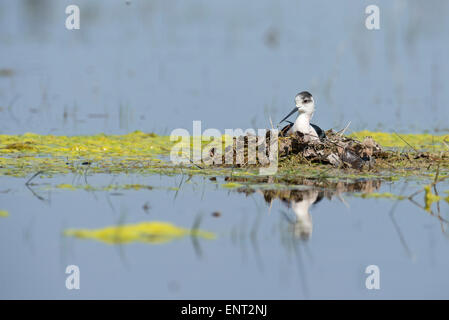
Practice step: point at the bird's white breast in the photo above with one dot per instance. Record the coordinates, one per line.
(302, 124)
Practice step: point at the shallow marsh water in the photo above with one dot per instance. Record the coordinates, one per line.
(256, 253)
(154, 66)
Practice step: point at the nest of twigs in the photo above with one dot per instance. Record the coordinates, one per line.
(335, 149)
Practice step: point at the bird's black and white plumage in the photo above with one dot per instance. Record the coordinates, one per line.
(285, 130)
(305, 105)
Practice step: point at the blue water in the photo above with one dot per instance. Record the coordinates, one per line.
(255, 254)
(159, 65)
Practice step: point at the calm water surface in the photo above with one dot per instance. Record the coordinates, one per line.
(157, 66)
(262, 249)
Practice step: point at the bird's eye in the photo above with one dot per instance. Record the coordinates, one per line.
(306, 101)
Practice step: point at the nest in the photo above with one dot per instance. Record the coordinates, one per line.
(335, 149)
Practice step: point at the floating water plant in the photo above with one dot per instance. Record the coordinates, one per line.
(384, 195)
(421, 142)
(430, 198)
(146, 232)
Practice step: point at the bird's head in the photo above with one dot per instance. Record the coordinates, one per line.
(305, 103)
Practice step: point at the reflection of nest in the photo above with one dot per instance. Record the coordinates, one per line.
(332, 189)
(327, 188)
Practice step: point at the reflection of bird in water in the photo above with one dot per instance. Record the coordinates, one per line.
(305, 105)
(301, 200)
(300, 204)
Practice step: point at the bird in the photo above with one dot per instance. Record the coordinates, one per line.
(305, 105)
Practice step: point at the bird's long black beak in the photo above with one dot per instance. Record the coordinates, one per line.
(291, 112)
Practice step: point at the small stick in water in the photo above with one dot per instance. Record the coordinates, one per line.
(34, 176)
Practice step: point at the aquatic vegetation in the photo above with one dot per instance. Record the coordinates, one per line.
(231, 185)
(147, 153)
(109, 187)
(20, 146)
(4, 213)
(133, 144)
(65, 186)
(136, 187)
(430, 198)
(423, 141)
(146, 232)
(136, 146)
(386, 195)
(29, 153)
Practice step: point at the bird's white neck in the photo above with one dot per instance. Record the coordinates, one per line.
(302, 123)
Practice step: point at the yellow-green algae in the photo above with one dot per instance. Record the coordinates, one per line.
(231, 185)
(95, 146)
(422, 141)
(430, 197)
(65, 186)
(385, 195)
(4, 213)
(109, 187)
(147, 153)
(146, 232)
(22, 154)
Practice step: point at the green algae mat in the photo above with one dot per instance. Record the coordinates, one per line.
(411, 155)
(148, 232)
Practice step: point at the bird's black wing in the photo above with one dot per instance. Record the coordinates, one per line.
(284, 130)
(319, 131)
